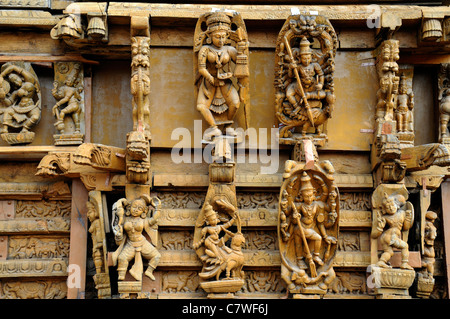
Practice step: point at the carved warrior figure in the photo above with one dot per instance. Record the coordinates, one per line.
(307, 228)
(67, 89)
(395, 216)
(20, 102)
(221, 71)
(130, 220)
(304, 83)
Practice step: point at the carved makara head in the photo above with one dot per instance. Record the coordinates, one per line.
(140, 50)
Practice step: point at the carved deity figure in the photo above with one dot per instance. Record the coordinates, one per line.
(96, 235)
(387, 68)
(307, 228)
(140, 82)
(220, 59)
(218, 238)
(130, 220)
(428, 256)
(67, 89)
(404, 107)
(213, 237)
(20, 100)
(304, 76)
(396, 215)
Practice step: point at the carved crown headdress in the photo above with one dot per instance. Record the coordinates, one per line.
(218, 21)
(305, 46)
(306, 182)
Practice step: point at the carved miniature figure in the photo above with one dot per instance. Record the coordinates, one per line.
(396, 215)
(99, 249)
(130, 220)
(20, 100)
(67, 90)
(389, 81)
(428, 257)
(425, 277)
(404, 107)
(308, 229)
(220, 57)
(304, 76)
(96, 236)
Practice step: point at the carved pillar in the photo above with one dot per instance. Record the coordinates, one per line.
(78, 241)
(445, 189)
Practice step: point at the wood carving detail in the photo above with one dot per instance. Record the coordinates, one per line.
(221, 71)
(68, 89)
(20, 102)
(304, 76)
(308, 228)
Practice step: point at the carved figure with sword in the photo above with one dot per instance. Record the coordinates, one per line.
(309, 78)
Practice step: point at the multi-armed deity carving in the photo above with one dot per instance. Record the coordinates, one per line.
(392, 218)
(221, 70)
(131, 218)
(218, 238)
(308, 220)
(20, 102)
(304, 70)
(67, 90)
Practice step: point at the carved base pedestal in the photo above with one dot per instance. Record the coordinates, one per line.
(425, 286)
(303, 296)
(222, 289)
(126, 288)
(391, 283)
(318, 140)
(103, 285)
(18, 138)
(445, 140)
(406, 139)
(69, 139)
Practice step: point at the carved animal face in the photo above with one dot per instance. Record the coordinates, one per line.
(140, 49)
